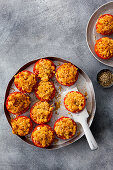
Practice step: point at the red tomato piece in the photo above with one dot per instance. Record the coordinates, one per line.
(100, 50)
(22, 110)
(61, 127)
(23, 117)
(104, 24)
(43, 98)
(36, 72)
(74, 76)
(78, 110)
(38, 140)
(19, 87)
(31, 114)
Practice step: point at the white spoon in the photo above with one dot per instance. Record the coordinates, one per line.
(82, 119)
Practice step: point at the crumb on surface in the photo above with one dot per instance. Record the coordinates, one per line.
(57, 105)
(56, 140)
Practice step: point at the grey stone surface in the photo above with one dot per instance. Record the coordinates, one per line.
(30, 29)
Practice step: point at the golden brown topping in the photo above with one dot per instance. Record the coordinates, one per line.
(45, 69)
(66, 74)
(25, 80)
(74, 101)
(42, 136)
(105, 25)
(104, 47)
(65, 128)
(18, 102)
(45, 90)
(41, 111)
(21, 126)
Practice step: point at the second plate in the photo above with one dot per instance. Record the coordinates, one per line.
(92, 35)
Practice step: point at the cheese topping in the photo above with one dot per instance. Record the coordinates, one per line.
(104, 47)
(105, 25)
(41, 111)
(43, 136)
(45, 90)
(25, 80)
(45, 69)
(74, 101)
(65, 128)
(66, 73)
(21, 126)
(18, 102)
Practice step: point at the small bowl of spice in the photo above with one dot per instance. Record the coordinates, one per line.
(105, 78)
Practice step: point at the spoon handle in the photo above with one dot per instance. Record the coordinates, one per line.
(89, 136)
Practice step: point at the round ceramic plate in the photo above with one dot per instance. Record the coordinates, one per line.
(83, 84)
(92, 35)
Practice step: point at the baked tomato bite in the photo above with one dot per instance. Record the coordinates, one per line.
(67, 74)
(74, 101)
(25, 81)
(44, 69)
(21, 125)
(42, 136)
(65, 128)
(104, 48)
(104, 24)
(45, 91)
(17, 103)
(41, 112)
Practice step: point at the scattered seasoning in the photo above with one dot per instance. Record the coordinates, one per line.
(57, 95)
(58, 64)
(57, 105)
(95, 38)
(56, 113)
(105, 78)
(78, 133)
(56, 140)
(60, 88)
(88, 112)
(69, 113)
(13, 89)
(28, 137)
(86, 95)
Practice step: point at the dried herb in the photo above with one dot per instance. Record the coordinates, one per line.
(105, 78)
